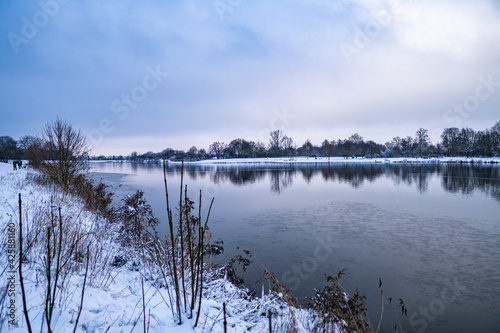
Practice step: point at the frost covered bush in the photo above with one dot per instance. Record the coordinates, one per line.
(136, 215)
(334, 308)
(96, 197)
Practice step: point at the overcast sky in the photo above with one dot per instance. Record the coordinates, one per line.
(147, 75)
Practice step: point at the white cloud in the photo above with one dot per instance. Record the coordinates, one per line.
(227, 77)
(458, 29)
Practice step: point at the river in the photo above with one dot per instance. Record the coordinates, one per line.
(430, 232)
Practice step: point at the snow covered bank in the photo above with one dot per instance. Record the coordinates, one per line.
(326, 160)
(114, 293)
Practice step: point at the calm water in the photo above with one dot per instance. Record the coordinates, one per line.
(430, 232)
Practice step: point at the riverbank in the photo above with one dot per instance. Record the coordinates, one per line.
(333, 160)
(117, 294)
(326, 160)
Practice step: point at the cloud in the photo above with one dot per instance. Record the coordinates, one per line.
(227, 73)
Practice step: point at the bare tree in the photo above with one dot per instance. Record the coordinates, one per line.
(217, 148)
(288, 146)
(307, 148)
(65, 152)
(192, 152)
(495, 132)
(7, 148)
(327, 148)
(407, 146)
(357, 143)
(422, 140)
(468, 141)
(33, 150)
(373, 148)
(202, 153)
(356, 138)
(394, 147)
(276, 142)
(450, 141)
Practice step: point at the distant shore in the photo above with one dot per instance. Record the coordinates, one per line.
(326, 160)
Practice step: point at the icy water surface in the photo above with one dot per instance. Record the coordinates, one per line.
(430, 232)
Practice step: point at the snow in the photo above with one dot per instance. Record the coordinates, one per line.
(326, 160)
(113, 295)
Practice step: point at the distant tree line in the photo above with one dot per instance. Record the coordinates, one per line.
(454, 142)
(11, 149)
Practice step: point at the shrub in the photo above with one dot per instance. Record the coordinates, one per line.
(96, 197)
(61, 156)
(136, 215)
(335, 307)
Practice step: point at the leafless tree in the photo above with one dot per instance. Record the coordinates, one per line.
(450, 141)
(7, 148)
(468, 141)
(31, 148)
(328, 148)
(65, 151)
(307, 148)
(495, 132)
(217, 148)
(192, 152)
(422, 140)
(288, 146)
(276, 142)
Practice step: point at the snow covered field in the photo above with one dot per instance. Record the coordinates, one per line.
(113, 300)
(326, 160)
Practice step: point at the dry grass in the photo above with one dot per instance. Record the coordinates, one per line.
(59, 238)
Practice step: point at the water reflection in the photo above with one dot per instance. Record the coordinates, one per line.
(373, 216)
(459, 179)
(465, 180)
(281, 179)
(354, 175)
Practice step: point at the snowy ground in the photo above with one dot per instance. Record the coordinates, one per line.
(325, 160)
(113, 296)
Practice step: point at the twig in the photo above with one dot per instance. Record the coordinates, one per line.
(190, 252)
(200, 256)
(149, 318)
(58, 264)
(48, 294)
(172, 240)
(21, 279)
(83, 289)
(143, 305)
(182, 238)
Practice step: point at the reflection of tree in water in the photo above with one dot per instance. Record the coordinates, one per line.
(237, 175)
(308, 171)
(148, 167)
(458, 179)
(203, 173)
(191, 171)
(422, 182)
(244, 176)
(281, 179)
(466, 179)
(352, 174)
(417, 175)
(463, 179)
